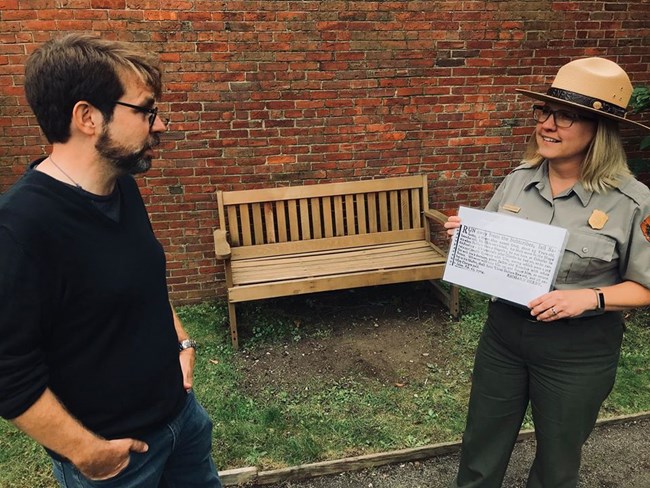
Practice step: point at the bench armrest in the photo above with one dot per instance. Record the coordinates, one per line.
(435, 215)
(221, 246)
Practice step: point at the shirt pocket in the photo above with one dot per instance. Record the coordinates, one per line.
(586, 256)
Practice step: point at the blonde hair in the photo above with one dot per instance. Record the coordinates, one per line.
(605, 164)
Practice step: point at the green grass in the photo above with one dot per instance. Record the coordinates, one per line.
(274, 427)
(632, 390)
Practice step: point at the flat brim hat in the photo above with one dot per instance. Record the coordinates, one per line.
(594, 85)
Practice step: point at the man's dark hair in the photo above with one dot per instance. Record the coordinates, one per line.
(81, 67)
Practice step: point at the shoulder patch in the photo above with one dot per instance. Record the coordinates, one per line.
(645, 228)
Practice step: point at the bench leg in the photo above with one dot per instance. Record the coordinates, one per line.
(232, 318)
(451, 298)
(454, 302)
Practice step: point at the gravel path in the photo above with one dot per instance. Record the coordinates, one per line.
(616, 456)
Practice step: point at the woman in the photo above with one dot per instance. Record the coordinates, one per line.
(561, 354)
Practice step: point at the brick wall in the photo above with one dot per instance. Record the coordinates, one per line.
(278, 92)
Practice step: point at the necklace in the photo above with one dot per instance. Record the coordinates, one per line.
(66, 174)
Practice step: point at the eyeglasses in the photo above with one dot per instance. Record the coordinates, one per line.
(153, 113)
(563, 118)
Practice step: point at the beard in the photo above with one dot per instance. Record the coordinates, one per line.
(123, 159)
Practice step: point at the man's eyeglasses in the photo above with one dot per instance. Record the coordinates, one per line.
(563, 118)
(153, 112)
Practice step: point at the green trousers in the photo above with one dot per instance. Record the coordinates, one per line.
(565, 369)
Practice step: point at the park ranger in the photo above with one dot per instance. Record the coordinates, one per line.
(561, 353)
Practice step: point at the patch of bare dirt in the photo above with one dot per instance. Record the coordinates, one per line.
(391, 334)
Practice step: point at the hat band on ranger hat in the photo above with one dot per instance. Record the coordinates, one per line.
(585, 101)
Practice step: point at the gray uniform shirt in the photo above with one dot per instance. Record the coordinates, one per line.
(619, 251)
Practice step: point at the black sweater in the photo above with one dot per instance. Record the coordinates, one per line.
(84, 309)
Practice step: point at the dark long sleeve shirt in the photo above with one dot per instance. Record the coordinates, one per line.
(84, 309)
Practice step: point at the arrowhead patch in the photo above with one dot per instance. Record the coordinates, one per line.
(645, 228)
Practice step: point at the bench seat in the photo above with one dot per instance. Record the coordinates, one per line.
(334, 269)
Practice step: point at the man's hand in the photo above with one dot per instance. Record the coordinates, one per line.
(187, 357)
(107, 459)
(49, 424)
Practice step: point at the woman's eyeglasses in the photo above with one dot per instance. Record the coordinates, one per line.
(563, 118)
(153, 113)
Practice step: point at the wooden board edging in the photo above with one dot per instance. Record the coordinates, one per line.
(240, 476)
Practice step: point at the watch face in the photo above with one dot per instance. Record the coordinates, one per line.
(186, 344)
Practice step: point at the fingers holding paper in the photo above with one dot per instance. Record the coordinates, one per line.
(561, 304)
(453, 223)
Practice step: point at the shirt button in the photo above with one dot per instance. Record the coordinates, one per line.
(585, 249)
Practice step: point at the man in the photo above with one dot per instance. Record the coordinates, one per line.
(94, 363)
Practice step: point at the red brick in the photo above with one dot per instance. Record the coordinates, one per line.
(110, 4)
(15, 15)
(38, 4)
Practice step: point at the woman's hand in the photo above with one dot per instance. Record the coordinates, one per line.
(563, 304)
(453, 223)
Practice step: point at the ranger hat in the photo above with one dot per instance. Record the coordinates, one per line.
(594, 85)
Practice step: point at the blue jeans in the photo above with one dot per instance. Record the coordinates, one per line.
(178, 456)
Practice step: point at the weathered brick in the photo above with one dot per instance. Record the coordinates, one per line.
(8, 15)
(110, 4)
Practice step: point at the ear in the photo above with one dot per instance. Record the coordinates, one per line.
(86, 118)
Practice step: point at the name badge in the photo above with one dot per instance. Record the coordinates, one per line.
(511, 208)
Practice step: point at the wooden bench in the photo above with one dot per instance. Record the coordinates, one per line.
(304, 239)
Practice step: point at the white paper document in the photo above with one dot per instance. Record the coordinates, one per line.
(504, 256)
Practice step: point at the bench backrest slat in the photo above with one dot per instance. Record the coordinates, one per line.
(245, 225)
(258, 225)
(234, 226)
(416, 210)
(328, 223)
(304, 220)
(293, 221)
(269, 219)
(306, 213)
(338, 215)
(383, 211)
(282, 221)
(372, 212)
(394, 210)
(361, 214)
(315, 218)
(350, 217)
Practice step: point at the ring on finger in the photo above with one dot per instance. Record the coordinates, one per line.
(553, 311)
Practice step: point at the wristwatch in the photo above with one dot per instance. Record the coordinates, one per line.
(600, 298)
(186, 344)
